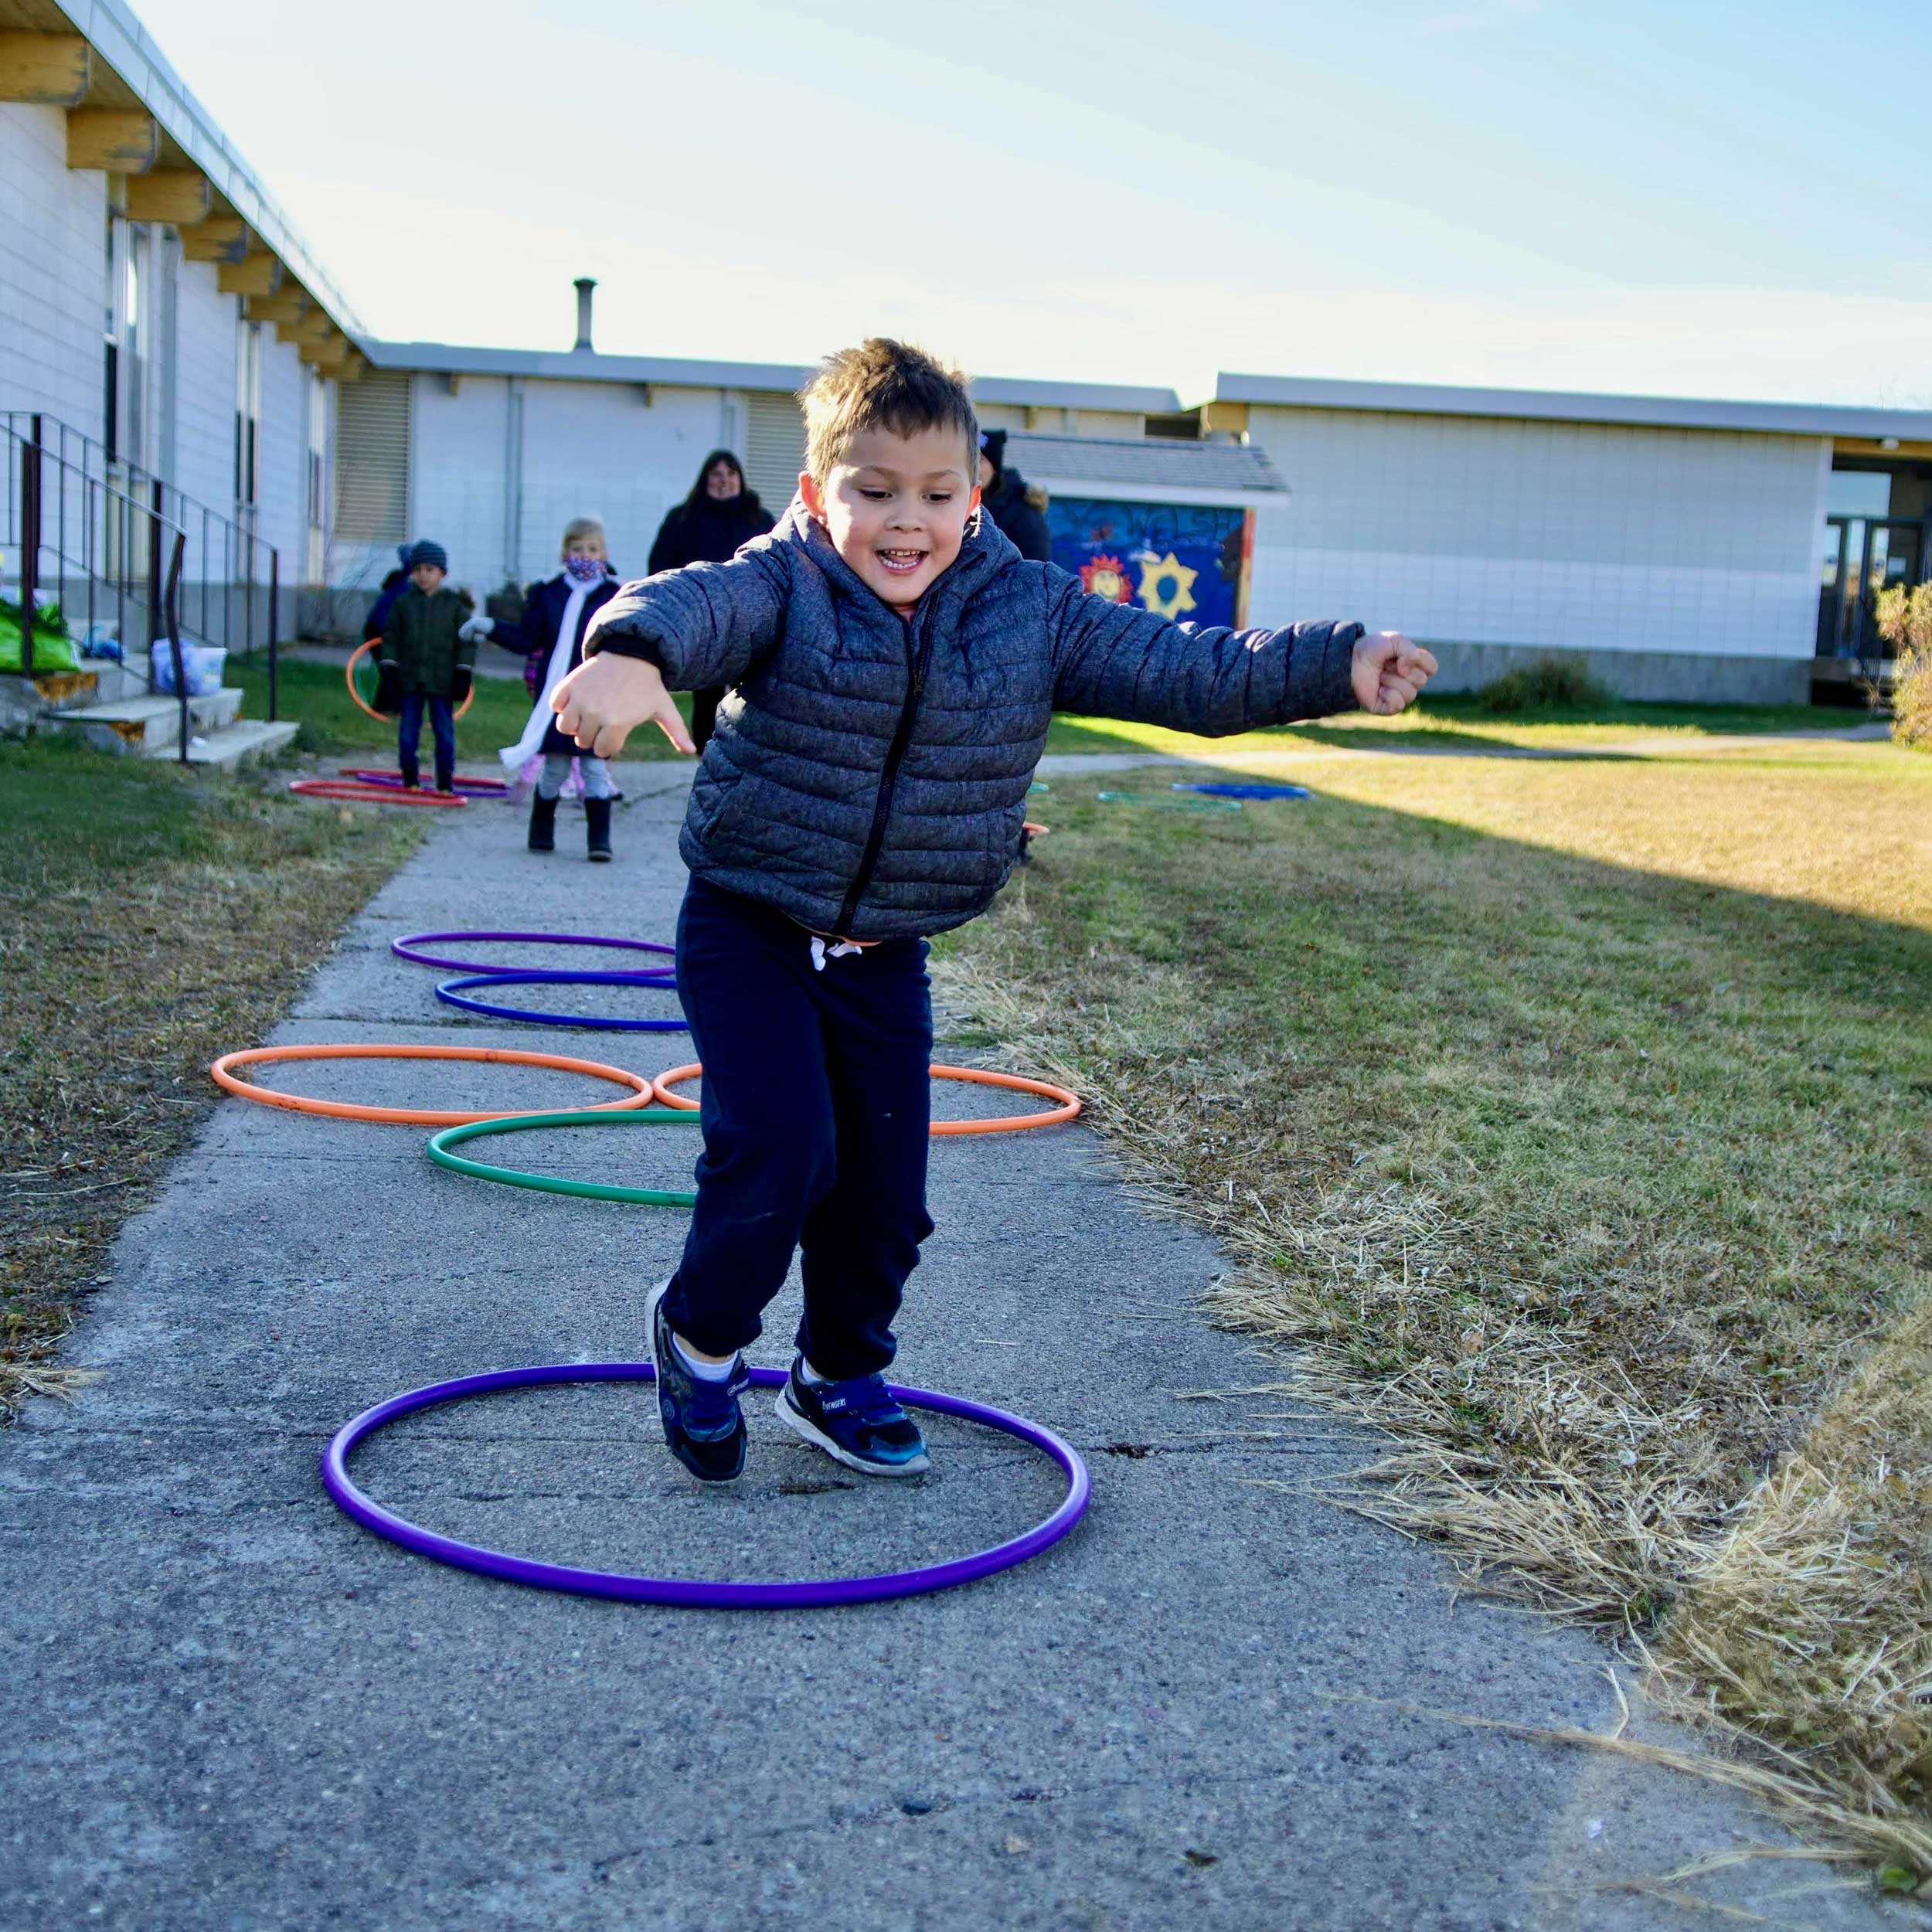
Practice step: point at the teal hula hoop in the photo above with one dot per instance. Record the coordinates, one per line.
(451, 1136)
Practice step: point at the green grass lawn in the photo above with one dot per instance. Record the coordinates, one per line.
(151, 916)
(315, 695)
(1569, 1118)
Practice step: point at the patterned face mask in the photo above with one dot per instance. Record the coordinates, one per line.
(586, 569)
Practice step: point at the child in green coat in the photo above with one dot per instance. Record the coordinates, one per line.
(426, 663)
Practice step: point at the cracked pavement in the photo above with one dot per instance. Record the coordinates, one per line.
(226, 1706)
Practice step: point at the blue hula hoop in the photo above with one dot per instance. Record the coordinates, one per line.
(1248, 790)
(453, 992)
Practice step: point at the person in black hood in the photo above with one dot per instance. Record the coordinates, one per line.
(1018, 509)
(721, 513)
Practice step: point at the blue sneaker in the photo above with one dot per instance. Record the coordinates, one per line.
(856, 1423)
(702, 1422)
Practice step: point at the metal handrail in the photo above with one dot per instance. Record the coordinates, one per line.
(246, 563)
(170, 609)
(102, 506)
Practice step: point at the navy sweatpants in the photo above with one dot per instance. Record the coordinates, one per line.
(815, 1108)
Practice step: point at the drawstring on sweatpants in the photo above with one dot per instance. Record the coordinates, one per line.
(820, 952)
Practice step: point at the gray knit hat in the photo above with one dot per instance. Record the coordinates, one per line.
(428, 552)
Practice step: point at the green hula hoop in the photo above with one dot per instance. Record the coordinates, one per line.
(1160, 801)
(441, 1144)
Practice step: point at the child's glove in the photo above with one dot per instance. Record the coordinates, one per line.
(389, 690)
(476, 630)
(459, 684)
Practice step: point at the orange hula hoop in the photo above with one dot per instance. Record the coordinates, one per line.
(370, 794)
(1068, 1107)
(639, 1096)
(369, 710)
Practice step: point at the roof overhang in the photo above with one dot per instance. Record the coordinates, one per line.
(1557, 406)
(1153, 469)
(672, 372)
(131, 117)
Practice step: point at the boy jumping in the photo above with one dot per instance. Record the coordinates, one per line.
(896, 664)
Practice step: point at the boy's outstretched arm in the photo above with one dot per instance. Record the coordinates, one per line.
(707, 625)
(1114, 661)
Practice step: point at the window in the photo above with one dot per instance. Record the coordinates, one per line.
(1859, 493)
(315, 472)
(248, 420)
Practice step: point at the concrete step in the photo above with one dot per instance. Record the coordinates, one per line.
(240, 743)
(114, 683)
(150, 727)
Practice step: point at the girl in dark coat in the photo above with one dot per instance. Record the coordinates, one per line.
(721, 513)
(550, 636)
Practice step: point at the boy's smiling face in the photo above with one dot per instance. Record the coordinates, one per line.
(895, 508)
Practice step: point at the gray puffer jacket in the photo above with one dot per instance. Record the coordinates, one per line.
(868, 777)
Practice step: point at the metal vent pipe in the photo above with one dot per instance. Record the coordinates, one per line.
(585, 283)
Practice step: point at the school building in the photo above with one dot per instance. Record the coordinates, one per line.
(182, 381)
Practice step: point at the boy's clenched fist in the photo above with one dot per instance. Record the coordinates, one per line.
(1388, 672)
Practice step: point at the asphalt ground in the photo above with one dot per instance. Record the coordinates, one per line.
(223, 1705)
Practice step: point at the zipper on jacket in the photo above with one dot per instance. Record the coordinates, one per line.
(916, 659)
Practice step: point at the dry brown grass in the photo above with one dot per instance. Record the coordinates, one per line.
(1575, 1134)
(149, 919)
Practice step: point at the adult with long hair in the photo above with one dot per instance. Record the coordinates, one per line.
(721, 513)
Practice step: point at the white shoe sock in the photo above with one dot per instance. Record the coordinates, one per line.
(811, 1374)
(705, 1371)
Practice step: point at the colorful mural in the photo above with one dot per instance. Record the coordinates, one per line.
(1177, 560)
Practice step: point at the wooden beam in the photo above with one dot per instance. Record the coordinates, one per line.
(221, 238)
(180, 196)
(328, 356)
(350, 372)
(309, 324)
(259, 273)
(122, 140)
(49, 69)
(287, 305)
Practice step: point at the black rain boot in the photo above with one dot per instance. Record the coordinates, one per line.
(543, 824)
(445, 776)
(597, 820)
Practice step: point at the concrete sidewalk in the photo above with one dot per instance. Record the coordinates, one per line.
(227, 1707)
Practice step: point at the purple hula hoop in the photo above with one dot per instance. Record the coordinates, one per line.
(689, 1592)
(454, 992)
(392, 781)
(409, 948)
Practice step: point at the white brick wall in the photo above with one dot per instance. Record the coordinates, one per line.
(53, 272)
(456, 481)
(284, 438)
(1579, 537)
(592, 449)
(206, 330)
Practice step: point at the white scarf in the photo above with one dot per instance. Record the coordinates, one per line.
(517, 756)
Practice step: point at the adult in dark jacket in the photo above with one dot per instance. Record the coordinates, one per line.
(550, 637)
(721, 513)
(1012, 503)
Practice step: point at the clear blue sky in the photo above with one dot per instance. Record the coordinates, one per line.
(1728, 199)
